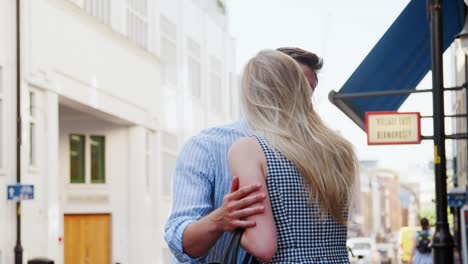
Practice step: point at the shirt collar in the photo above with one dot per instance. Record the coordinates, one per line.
(244, 126)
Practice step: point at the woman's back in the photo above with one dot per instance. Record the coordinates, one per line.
(307, 167)
(304, 235)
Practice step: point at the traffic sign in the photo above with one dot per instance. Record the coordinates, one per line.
(17, 192)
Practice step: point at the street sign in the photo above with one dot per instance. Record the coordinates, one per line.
(390, 128)
(17, 192)
(457, 197)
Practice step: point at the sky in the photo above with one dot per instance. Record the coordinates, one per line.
(342, 33)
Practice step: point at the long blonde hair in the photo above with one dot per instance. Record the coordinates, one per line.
(276, 98)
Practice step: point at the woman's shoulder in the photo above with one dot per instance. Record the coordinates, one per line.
(247, 147)
(246, 150)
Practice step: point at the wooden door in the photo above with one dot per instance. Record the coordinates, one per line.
(87, 239)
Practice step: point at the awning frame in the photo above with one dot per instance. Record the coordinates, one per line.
(338, 99)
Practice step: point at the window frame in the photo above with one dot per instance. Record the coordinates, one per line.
(216, 72)
(194, 56)
(149, 136)
(171, 63)
(167, 190)
(91, 159)
(85, 163)
(100, 9)
(170, 150)
(88, 160)
(33, 122)
(140, 17)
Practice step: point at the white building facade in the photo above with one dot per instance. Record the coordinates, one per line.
(110, 89)
(460, 124)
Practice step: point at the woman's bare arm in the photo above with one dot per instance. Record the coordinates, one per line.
(247, 161)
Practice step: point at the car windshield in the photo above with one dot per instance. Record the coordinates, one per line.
(361, 246)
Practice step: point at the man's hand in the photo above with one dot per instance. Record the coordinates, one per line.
(201, 235)
(237, 205)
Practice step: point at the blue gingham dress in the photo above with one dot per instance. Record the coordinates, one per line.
(304, 236)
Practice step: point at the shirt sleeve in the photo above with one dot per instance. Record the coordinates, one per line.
(192, 194)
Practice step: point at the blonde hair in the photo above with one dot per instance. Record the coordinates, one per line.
(276, 98)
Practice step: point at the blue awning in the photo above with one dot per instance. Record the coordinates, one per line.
(399, 61)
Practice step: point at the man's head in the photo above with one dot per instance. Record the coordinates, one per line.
(309, 62)
(424, 223)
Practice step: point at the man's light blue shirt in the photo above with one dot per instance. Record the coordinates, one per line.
(201, 180)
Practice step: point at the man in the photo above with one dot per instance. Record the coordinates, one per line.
(207, 201)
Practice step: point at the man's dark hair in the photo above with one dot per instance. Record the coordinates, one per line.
(424, 223)
(305, 57)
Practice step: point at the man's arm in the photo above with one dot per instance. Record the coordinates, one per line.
(193, 227)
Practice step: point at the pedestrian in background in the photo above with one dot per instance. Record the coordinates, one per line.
(306, 169)
(422, 252)
(207, 202)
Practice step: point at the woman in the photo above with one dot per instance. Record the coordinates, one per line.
(421, 253)
(306, 168)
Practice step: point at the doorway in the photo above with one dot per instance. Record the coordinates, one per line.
(87, 238)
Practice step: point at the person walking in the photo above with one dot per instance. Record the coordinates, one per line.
(422, 252)
(306, 169)
(207, 203)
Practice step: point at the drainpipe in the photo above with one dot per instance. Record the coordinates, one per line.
(18, 247)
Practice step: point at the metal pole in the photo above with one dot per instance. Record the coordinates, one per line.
(336, 95)
(442, 243)
(18, 247)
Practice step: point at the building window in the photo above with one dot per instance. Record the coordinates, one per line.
(1, 118)
(98, 165)
(169, 145)
(168, 51)
(32, 129)
(168, 165)
(216, 84)
(77, 158)
(99, 9)
(194, 67)
(137, 22)
(79, 145)
(148, 157)
(233, 99)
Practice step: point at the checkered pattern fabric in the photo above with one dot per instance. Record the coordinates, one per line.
(304, 236)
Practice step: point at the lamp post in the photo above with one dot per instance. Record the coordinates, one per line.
(442, 243)
(18, 247)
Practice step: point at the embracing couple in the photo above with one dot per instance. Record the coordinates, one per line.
(279, 173)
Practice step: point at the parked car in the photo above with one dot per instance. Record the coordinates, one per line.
(363, 249)
(387, 253)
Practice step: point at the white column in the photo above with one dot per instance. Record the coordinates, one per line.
(8, 174)
(52, 180)
(376, 210)
(138, 235)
